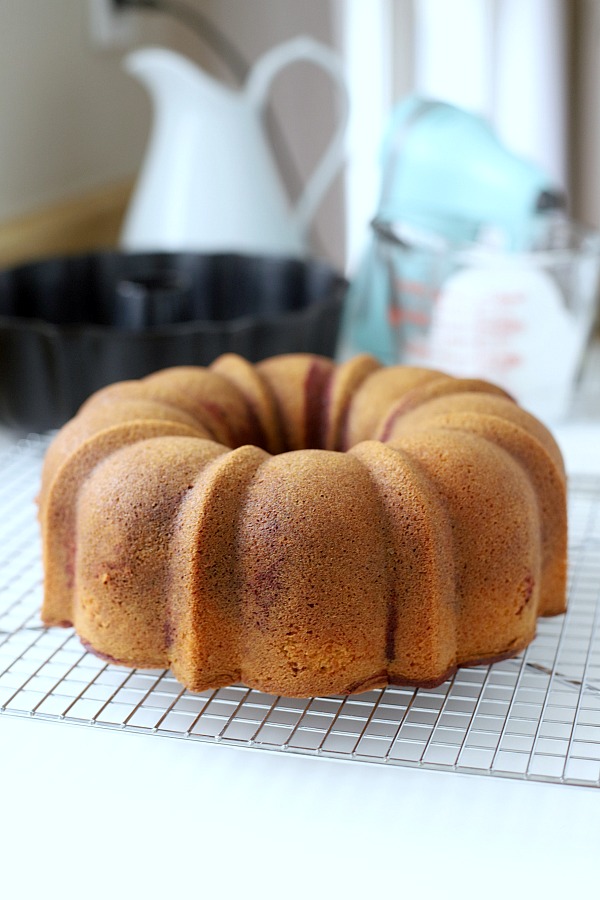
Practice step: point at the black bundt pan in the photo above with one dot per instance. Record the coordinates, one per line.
(71, 325)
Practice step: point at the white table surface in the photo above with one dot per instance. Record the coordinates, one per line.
(86, 812)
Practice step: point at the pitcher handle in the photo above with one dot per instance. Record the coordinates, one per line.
(257, 91)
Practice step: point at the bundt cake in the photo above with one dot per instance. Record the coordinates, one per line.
(303, 527)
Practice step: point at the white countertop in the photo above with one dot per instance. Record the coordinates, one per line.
(88, 812)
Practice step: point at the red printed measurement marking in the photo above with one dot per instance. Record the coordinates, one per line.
(408, 317)
(501, 327)
(415, 287)
(506, 362)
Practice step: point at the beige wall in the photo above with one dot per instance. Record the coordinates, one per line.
(71, 119)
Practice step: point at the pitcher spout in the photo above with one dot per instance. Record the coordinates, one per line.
(169, 77)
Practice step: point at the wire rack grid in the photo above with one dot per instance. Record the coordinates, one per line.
(535, 717)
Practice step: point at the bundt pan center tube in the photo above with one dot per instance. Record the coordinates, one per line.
(303, 527)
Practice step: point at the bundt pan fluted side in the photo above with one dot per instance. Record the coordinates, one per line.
(71, 325)
(302, 527)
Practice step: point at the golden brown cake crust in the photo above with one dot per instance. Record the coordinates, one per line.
(303, 527)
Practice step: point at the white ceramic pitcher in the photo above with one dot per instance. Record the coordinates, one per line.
(209, 182)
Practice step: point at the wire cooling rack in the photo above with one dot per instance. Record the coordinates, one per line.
(534, 717)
